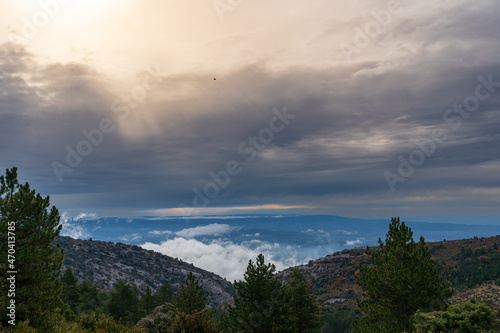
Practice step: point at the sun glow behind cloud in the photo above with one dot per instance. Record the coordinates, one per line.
(121, 37)
(200, 211)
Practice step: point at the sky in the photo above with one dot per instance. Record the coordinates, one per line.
(364, 108)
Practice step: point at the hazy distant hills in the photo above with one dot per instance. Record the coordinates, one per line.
(289, 229)
(104, 263)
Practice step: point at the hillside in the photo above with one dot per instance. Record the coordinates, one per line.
(333, 276)
(464, 262)
(104, 263)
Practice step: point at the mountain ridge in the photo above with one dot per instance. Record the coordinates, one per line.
(332, 277)
(104, 263)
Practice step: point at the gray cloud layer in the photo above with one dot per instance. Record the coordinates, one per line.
(352, 122)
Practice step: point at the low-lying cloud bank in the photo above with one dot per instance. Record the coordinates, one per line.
(72, 227)
(224, 258)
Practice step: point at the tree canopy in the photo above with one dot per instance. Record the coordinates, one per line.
(402, 279)
(191, 296)
(26, 215)
(264, 304)
(300, 311)
(467, 317)
(124, 302)
(256, 306)
(190, 303)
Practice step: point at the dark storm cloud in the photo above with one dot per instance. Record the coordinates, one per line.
(351, 124)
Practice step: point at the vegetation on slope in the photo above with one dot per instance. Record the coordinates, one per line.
(105, 263)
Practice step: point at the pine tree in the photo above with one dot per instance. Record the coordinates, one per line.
(191, 296)
(147, 301)
(258, 302)
(91, 299)
(123, 302)
(402, 279)
(38, 264)
(164, 295)
(300, 312)
(190, 303)
(70, 294)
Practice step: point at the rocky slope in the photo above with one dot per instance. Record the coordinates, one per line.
(333, 276)
(104, 263)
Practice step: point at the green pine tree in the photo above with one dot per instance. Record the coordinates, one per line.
(338, 321)
(300, 313)
(402, 279)
(70, 294)
(123, 302)
(147, 301)
(38, 264)
(191, 296)
(164, 295)
(91, 299)
(190, 304)
(257, 306)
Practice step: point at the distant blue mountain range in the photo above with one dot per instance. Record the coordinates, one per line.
(224, 244)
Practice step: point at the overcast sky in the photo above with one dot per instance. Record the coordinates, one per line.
(364, 108)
